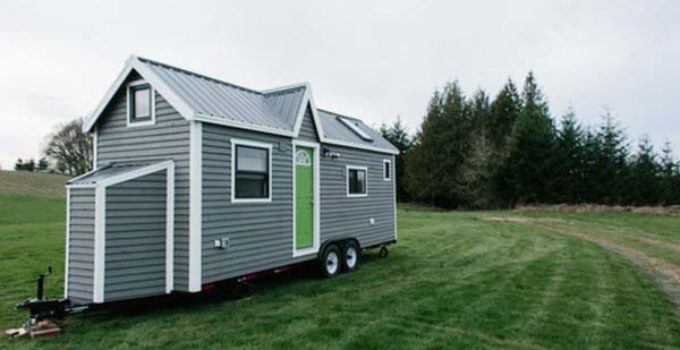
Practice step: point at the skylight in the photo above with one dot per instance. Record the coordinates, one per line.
(354, 126)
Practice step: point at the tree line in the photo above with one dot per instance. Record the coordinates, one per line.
(483, 153)
(67, 150)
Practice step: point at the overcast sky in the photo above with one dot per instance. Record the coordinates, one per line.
(371, 59)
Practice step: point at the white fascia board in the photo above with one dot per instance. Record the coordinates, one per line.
(156, 82)
(202, 117)
(308, 100)
(150, 169)
(363, 147)
(92, 119)
(84, 175)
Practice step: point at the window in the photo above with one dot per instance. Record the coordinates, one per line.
(356, 181)
(140, 104)
(354, 126)
(251, 172)
(387, 170)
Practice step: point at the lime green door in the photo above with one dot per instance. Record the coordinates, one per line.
(304, 197)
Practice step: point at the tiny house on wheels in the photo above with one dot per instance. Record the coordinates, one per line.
(198, 181)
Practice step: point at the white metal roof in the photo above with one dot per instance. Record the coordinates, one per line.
(276, 111)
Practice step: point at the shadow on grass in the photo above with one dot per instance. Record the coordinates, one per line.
(218, 293)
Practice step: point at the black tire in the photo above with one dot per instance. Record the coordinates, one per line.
(350, 256)
(331, 261)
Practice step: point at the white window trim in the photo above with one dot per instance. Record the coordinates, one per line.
(387, 162)
(152, 92)
(240, 142)
(356, 167)
(314, 249)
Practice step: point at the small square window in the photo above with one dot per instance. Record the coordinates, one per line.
(356, 181)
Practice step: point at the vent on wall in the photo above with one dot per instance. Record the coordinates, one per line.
(354, 126)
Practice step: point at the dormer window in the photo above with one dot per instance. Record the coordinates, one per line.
(140, 104)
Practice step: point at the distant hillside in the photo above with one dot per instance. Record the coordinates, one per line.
(36, 184)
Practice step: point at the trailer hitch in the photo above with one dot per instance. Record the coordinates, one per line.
(42, 312)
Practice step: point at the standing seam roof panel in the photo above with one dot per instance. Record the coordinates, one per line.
(275, 110)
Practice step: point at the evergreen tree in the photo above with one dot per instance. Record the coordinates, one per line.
(398, 136)
(43, 164)
(670, 177)
(19, 164)
(476, 173)
(611, 167)
(528, 171)
(30, 165)
(644, 175)
(570, 165)
(442, 142)
(504, 112)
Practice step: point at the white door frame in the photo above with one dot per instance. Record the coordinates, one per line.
(317, 198)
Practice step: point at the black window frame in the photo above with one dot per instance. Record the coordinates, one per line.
(354, 189)
(387, 170)
(250, 174)
(132, 100)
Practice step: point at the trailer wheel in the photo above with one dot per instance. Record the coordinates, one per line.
(350, 256)
(330, 261)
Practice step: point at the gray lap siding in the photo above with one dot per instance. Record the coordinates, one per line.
(343, 216)
(261, 234)
(135, 238)
(81, 245)
(168, 138)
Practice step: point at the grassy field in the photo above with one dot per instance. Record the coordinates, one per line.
(455, 280)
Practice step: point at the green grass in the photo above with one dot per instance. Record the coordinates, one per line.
(454, 280)
(32, 184)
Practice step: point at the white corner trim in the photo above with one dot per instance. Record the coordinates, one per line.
(152, 93)
(195, 205)
(170, 228)
(317, 199)
(68, 239)
(394, 194)
(99, 244)
(387, 163)
(95, 137)
(241, 142)
(356, 167)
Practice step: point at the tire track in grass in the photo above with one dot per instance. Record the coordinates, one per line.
(668, 275)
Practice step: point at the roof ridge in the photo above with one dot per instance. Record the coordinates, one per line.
(269, 93)
(186, 71)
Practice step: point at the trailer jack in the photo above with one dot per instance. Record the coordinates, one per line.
(43, 313)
